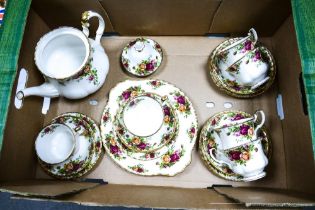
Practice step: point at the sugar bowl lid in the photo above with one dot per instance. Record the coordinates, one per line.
(142, 57)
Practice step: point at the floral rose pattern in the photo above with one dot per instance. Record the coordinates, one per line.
(171, 157)
(138, 142)
(89, 73)
(181, 103)
(70, 167)
(192, 132)
(113, 147)
(48, 130)
(130, 93)
(145, 67)
(155, 84)
(105, 117)
(244, 130)
(125, 62)
(138, 168)
(241, 154)
(158, 48)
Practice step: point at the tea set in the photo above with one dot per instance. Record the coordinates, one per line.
(148, 127)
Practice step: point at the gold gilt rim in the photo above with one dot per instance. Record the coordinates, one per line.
(218, 81)
(194, 139)
(90, 164)
(131, 148)
(211, 166)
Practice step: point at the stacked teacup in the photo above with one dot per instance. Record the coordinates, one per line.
(242, 62)
(240, 147)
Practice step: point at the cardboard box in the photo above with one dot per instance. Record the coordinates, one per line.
(186, 30)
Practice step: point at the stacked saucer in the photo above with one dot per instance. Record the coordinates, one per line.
(241, 154)
(242, 67)
(149, 127)
(69, 146)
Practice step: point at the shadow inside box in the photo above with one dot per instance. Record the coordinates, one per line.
(8, 202)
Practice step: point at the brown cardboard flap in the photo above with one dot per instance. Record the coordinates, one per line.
(18, 155)
(297, 139)
(153, 197)
(266, 197)
(45, 188)
(161, 17)
(68, 13)
(237, 16)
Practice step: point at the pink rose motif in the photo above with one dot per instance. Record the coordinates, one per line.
(141, 146)
(237, 117)
(114, 149)
(76, 166)
(248, 45)
(213, 122)
(257, 55)
(192, 130)
(126, 94)
(149, 66)
(80, 123)
(166, 110)
(91, 78)
(174, 157)
(154, 83)
(105, 118)
(98, 144)
(181, 100)
(237, 88)
(46, 130)
(235, 155)
(244, 129)
(139, 170)
(152, 155)
(132, 43)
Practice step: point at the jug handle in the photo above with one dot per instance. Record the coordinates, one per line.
(263, 118)
(85, 24)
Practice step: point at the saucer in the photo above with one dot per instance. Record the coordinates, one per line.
(170, 159)
(208, 139)
(142, 57)
(232, 88)
(146, 122)
(88, 148)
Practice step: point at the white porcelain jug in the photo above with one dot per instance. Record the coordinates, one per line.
(74, 66)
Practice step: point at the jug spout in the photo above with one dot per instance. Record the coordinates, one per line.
(44, 90)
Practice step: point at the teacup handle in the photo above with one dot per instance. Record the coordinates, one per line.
(221, 162)
(252, 33)
(85, 24)
(263, 118)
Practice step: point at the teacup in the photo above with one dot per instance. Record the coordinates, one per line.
(247, 160)
(55, 143)
(234, 52)
(143, 116)
(240, 130)
(251, 70)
